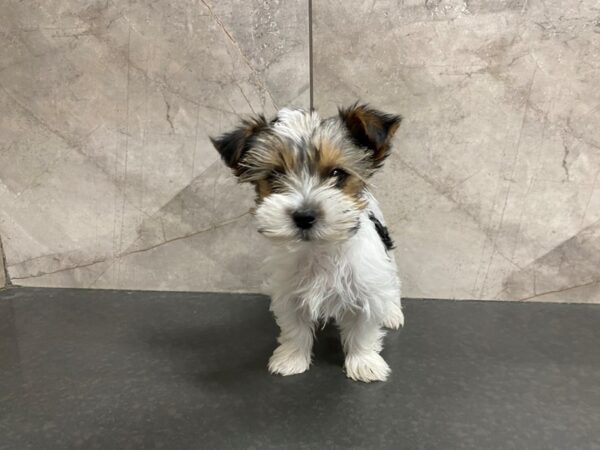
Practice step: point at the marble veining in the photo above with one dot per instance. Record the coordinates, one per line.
(107, 177)
(108, 180)
(493, 191)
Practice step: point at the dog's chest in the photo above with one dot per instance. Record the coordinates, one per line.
(323, 282)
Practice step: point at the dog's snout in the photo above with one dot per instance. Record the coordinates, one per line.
(304, 218)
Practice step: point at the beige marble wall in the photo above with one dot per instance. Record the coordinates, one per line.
(493, 191)
(107, 178)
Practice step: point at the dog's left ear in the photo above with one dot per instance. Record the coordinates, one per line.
(371, 128)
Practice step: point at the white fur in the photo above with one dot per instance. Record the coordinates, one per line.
(296, 124)
(351, 279)
(339, 213)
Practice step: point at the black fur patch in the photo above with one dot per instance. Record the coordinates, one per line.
(232, 146)
(383, 232)
(371, 129)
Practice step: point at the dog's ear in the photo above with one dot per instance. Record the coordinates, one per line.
(371, 129)
(233, 146)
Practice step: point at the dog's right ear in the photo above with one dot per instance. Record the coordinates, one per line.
(371, 129)
(233, 146)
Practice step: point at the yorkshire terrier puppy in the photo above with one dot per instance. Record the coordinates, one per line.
(331, 256)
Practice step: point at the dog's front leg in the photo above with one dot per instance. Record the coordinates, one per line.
(295, 341)
(362, 340)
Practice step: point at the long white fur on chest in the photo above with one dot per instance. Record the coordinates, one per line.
(324, 281)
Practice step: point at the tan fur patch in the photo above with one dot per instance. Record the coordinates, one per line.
(272, 158)
(353, 187)
(328, 157)
(263, 188)
(332, 157)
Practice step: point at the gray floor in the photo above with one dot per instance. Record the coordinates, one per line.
(116, 370)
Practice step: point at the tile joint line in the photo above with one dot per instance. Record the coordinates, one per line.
(310, 54)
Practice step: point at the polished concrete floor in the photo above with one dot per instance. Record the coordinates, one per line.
(116, 370)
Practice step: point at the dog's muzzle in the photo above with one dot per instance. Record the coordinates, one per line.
(304, 218)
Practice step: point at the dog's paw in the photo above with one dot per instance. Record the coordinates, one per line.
(286, 361)
(395, 318)
(367, 367)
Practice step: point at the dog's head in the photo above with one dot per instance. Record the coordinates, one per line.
(309, 173)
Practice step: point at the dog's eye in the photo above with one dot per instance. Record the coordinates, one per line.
(339, 174)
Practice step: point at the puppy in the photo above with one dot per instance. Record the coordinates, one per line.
(331, 256)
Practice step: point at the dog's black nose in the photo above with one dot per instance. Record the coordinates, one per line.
(304, 218)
